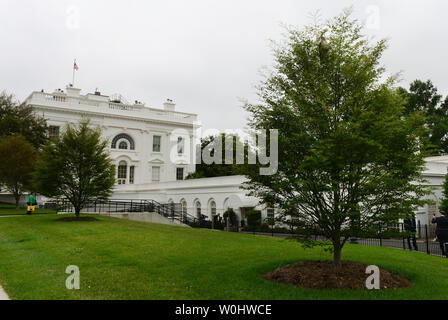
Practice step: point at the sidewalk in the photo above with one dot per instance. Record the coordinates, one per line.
(3, 295)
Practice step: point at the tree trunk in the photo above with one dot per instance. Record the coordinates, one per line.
(17, 198)
(77, 212)
(337, 254)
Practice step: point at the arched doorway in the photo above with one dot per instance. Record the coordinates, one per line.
(212, 208)
(183, 208)
(197, 209)
(122, 172)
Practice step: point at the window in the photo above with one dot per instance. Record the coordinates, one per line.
(180, 145)
(213, 208)
(156, 140)
(270, 212)
(122, 172)
(121, 137)
(198, 209)
(155, 174)
(183, 207)
(123, 145)
(53, 132)
(131, 174)
(179, 173)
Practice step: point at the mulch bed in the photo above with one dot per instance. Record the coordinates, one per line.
(323, 275)
(69, 219)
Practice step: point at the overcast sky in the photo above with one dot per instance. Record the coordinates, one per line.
(206, 55)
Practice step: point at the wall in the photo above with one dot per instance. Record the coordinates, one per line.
(148, 217)
(224, 191)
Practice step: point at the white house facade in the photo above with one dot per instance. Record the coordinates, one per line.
(435, 173)
(140, 138)
(153, 149)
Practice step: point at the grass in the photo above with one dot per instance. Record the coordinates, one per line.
(10, 210)
(120, 259)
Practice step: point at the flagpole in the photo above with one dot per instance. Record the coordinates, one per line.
(73, 80)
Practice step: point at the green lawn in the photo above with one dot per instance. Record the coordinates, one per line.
(9, 209)
(121, 259)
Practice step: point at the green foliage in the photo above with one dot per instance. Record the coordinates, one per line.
(230, 214)
(17, 164)
(253, 217)
(76, 166)
(444, 203)
(424, 97)
(211, 145)
(348, 156)
(19, 119)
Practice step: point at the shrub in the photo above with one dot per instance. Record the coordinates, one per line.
(230, 214)
(253, 217)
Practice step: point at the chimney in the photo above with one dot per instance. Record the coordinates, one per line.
(72, 92)
(169, 105)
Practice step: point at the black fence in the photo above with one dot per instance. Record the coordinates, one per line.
(423, 240)
(172, 211)
(120, 206)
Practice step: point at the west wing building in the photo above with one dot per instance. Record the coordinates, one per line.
(153, 149)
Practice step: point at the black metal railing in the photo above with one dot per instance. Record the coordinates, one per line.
(425, 239)
(172, 211)
(117, 206)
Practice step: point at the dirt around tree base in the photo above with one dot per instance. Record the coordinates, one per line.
(69, 219)
(323, 275)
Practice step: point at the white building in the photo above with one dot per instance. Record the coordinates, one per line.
(153, 149)
(436, 170)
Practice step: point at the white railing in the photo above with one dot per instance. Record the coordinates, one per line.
(54, 97)
(119, 106)
(150, 113)
(88, 103)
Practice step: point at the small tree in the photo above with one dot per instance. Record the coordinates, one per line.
(350, 161)
(17, 164)
(77, 167)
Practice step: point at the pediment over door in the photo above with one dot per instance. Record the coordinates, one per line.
(156, 161)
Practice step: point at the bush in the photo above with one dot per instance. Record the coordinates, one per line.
(253, 218)
(267, 228)
(230, 214)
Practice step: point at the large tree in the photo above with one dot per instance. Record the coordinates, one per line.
(424, 97)
(17, 162)
(76, 167)
(20, 119)
(349, 161)
(220, 144)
